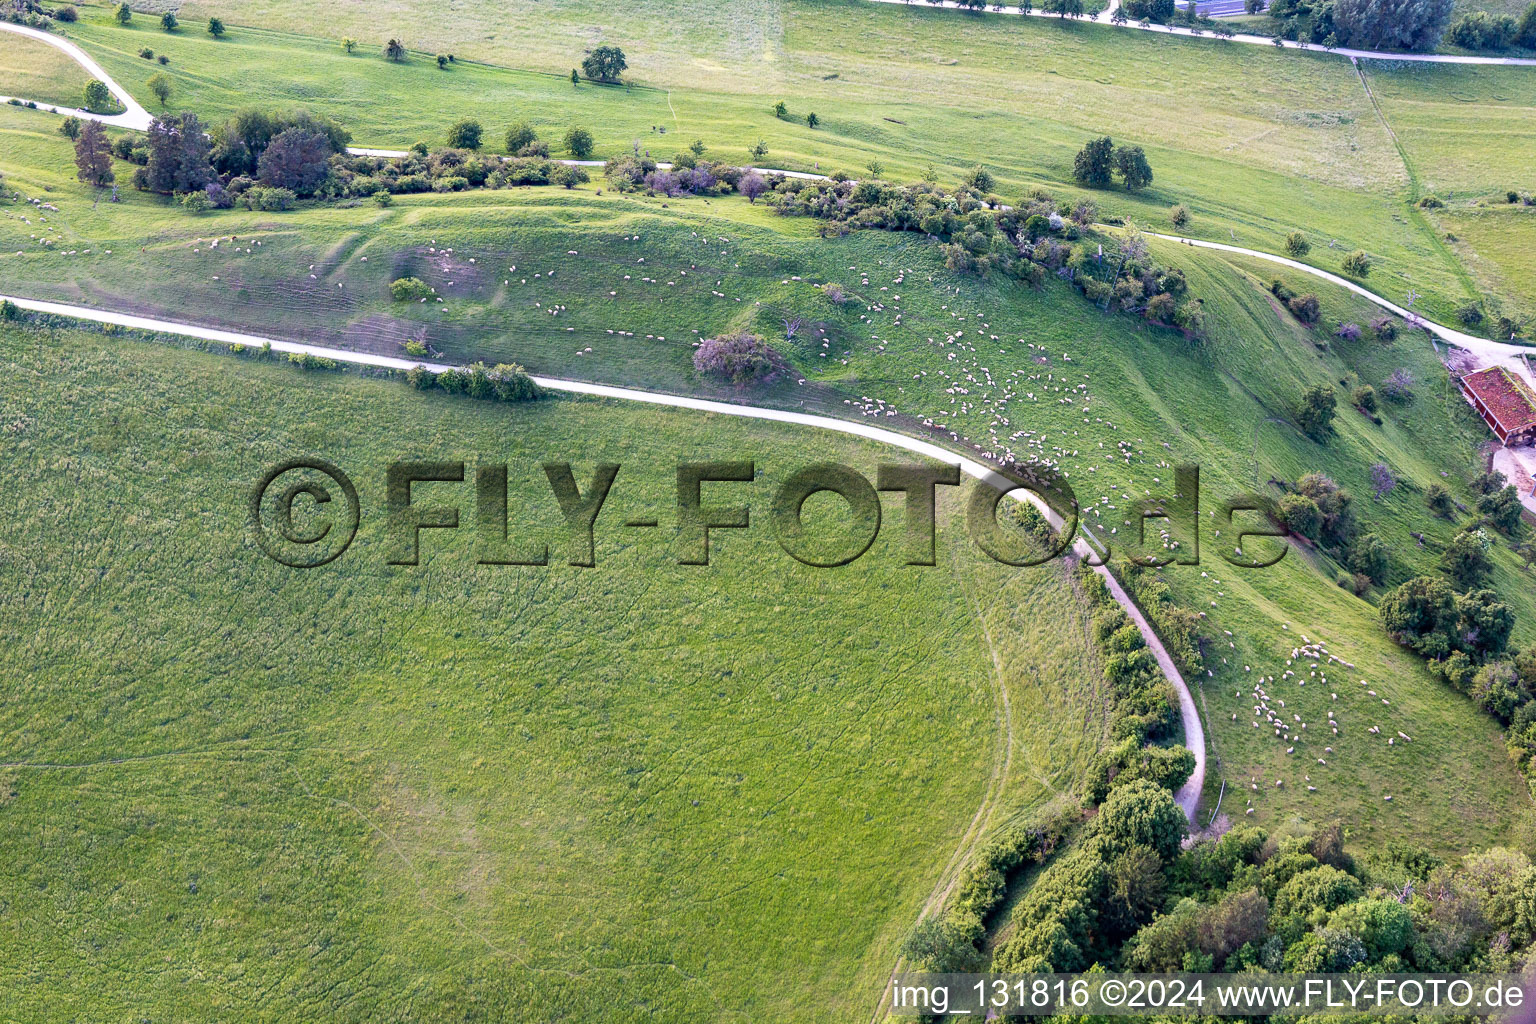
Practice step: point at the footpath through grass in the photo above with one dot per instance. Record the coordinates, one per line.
(240, 791)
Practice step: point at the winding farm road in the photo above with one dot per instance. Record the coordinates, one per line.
(134, 115)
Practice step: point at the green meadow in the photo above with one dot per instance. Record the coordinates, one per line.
(983, 365)
(36, 71)
(1270, 142)
(240, 791)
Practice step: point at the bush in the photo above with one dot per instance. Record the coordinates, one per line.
(1179, 215)
(1297, 245)
(67, 14)
(196, 202)
(122, 14)
(403, 289)
(1357, 264)
(1483, 31)
(1471, 314)
(1305, 308)
(70, 127)
(147, 53)
(1364, 397)
(262, 197)
(1301, 516)
(1316, 413)
(569, 177)
(740, 358)
(216, 28)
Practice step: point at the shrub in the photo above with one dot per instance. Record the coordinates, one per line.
(1357, 264)
(162, 87)
(578, 142)
(1349, 332)
(348, 44)
(394, 50)
(464, 134)
(216, 28)
(147, 53)
(1305, 308)
(70, 127)
(196, 202)
(122, 14)
(403, 289)
(740, 358)
(1438, 497)
(1364, 397)
(1385, 328)
(1297, 245)
(168, 21)
(569, 177)
(1471, 314)
(1431, 202)
(262, 197)
(1179, 215)
(67, 14)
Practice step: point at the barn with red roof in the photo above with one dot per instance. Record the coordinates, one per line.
(1506, 403)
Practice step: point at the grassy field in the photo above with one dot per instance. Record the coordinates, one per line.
(241, 791)
(36, 71)
(1271, 142)
(974, 363)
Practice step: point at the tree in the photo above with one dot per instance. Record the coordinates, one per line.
(752, 185)
(296, 159)
(1140, 813)
(1438, 498)
(759, 149)
(178, 154)
(1318, 404)
(1301, 515)
(575, 78)
(97, 95)
(1134, 170)
(1525, 33)
(1297, 245)
(162, 87)
(1179, 215)
(1305, 308)
(348, 44)
(70, 127)
(1502, 507)
(168, 21)
(1357, 263)
(1391, 24)
(1483, 623)
(1094, 164)
(216, 28)
(1465, 560)
(812, 120)
(442, 61)
(604, 64)
(93, 155)
(520, 135)
(1369, 558)
(875, 169)
(394, 50)
(781, 110)
(122, 14)
(465, 133)
(578, 142)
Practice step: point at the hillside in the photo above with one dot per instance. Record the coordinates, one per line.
(583, 791)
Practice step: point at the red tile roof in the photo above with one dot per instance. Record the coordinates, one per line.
(1505, 395)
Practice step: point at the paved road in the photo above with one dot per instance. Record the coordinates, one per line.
(1503, 353)
(1187, 797)
(134, 115)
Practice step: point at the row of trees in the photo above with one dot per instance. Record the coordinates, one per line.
(1097, 163)
(521, 139)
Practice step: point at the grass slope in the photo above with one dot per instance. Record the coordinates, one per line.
(36, 71)
(240, 791)
(1270, 142)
